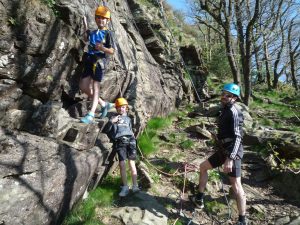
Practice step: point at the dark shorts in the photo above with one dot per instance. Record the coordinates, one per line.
(219, 158)
(93, 67)
(126, 149)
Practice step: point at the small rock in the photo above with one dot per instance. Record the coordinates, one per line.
(295, 222)
(282, 220)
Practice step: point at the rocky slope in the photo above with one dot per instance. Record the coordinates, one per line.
(272, 193)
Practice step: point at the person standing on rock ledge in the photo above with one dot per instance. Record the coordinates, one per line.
(119, 130)
(230, 150)
(100, 45)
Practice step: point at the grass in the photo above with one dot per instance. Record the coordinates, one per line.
(186, 144)
(214, 207)
(214, 175)
(148, 141)
(278, 113)
(84, 211)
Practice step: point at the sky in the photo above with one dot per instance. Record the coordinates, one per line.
(182, 6)
(177, 4)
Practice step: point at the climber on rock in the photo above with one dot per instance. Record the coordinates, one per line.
(100, 46)
(119, 129)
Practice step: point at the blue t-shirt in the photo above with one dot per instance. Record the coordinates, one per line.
(99, 36)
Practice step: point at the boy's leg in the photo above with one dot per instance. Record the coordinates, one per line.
(133, 172)
(121, 151)
(131, 151)
(95, 96)
(85, 86)
(122, 166)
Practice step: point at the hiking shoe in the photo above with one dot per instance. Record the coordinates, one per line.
(241, 223)
(105, 108)
(199, 203)
(88, 118)
(124, 191)
(135, 188)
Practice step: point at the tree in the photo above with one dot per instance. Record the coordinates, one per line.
(294, 53)
(233, 20)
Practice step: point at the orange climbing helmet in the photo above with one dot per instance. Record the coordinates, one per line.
(103, 11)
(121, 101)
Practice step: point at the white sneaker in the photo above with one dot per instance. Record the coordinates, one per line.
(124, 192)
(135, 188)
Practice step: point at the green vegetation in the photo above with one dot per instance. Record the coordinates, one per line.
(85, 211)
(186, 144)
(12, 21)
(217, 62)
(148, 3)
(50, 3)
(214, 175)
(294, 164)
(148, 141)
(278, 109)
(214, 207)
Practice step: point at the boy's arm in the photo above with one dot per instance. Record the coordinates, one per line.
(108, 47)
(100, 47)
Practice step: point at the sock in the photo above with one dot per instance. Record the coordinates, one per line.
(242, 218)
(199, 195)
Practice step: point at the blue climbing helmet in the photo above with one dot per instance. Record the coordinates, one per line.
(232, 88)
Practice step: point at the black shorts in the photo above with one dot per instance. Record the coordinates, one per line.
(93, 67)
(126, 150)
(219, 158)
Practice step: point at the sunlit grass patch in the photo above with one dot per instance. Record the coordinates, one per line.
(84, 211)
(149, 141)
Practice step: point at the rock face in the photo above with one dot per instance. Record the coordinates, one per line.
(47, 159)
(41, 179)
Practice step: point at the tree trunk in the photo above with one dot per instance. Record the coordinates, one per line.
(293, 73)
(260, 78)
(245, 44)
(230, 56)
(267, 58)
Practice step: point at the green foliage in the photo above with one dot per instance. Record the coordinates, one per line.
(84, 212)
(186, 144)
(214, 206)
(148, 141)
(294, 164)
(159, 123)
(276, 104)
(12, 21)
(218, 65)
(146, 144)
(179, 222)
(51, 5)
(148, 3)
(214, 175)
(178, 181)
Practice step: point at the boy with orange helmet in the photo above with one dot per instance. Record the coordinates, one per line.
(119, 129)
(100, 45)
